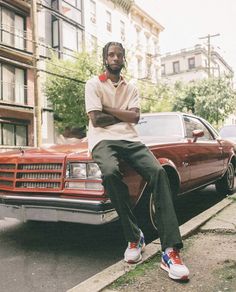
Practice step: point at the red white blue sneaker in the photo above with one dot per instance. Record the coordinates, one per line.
(133, 253)
(173, 265)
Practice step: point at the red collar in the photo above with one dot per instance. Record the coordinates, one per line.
(103, 77)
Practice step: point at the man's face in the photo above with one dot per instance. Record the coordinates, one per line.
(115, 59)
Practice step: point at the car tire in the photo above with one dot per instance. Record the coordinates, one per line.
(225, 185)
(145, 214)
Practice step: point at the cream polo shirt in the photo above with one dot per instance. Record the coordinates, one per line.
(100, 91)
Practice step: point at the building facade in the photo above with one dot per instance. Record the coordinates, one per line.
(126, 22)
(16, 75)
(61, 32)
(62, 27)
(192, 64)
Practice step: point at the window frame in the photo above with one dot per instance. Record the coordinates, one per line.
(11, 30)
(193, 65)
(15, 100)
(108, 21)
(14, 123)
(176, 69)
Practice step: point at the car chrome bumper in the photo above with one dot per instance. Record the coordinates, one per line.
(26, 208)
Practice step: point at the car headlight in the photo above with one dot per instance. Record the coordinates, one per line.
(93, 171)
(76, 170)
(82, 170)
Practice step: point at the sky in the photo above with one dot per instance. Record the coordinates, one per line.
(185, 21)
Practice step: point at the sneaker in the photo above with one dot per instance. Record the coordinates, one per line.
(133, 253)
(172, 263)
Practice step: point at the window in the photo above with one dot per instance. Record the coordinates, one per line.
(163, 69)
(72, 38)
(108, 21)
(71, 12)
(155, 45)
(191, 124)
(176, 68)
(160, 126)
(13, 88)
(54, 4)
(157, 74)
(122, 30)
(94, 43)
(138, 36)
(75, 3)
(148, 67)
(55, 33)
(92, 11)
(147, 43)
(12, 29)
(13, 134)
(191, 63)
(139, 64)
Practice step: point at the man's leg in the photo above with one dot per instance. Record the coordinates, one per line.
(106, 155)
(144, 162)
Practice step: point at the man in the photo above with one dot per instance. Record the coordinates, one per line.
(113, 108)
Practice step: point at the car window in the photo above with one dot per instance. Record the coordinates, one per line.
(160, 126)
(191, 124)
(228, 131)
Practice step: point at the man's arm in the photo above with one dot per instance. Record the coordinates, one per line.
(129, 116)
(110, 116)
(102, 119)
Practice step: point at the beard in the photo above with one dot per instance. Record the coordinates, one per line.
(114, 71)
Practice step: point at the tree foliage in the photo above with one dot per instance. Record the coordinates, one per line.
(155, 98)
(213, 99)
(65, 88)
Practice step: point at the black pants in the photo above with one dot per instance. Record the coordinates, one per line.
(107, 154)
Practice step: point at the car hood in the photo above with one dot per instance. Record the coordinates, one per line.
(56, 150)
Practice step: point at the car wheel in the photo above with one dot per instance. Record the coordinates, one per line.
(145, 212)
(152, 212)
(225, 185)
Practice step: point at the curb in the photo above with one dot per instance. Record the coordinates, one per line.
(106, 277)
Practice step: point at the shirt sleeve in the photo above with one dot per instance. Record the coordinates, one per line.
(92, 99)
(134, 100)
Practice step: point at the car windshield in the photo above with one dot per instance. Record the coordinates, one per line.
(228, 131)
(160, 126)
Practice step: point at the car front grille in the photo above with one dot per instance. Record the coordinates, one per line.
(31, 176)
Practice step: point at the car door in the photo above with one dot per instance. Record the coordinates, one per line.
(205, 155)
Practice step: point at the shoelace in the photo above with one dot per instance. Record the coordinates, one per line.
(134, 244)
(174, 257)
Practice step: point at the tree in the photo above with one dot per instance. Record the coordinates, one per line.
(155, 98)
(65, 88)
(213, 99)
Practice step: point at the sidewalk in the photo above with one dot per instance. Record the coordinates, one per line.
(210, 254)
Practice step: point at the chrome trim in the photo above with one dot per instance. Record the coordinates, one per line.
(41, 208)
(51, 214)
(51, 199)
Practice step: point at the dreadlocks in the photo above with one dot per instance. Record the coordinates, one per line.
(105, 51)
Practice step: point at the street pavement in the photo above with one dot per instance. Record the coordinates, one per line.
(220, 217)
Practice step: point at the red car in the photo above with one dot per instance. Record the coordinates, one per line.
(62, 183)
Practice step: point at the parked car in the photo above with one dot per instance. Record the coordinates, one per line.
(62, 183)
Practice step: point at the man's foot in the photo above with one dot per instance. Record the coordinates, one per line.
(172, 263)
(133, 253)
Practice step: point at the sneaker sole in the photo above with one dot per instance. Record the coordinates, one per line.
(165, 268)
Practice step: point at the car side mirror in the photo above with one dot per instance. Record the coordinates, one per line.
(197, 134)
